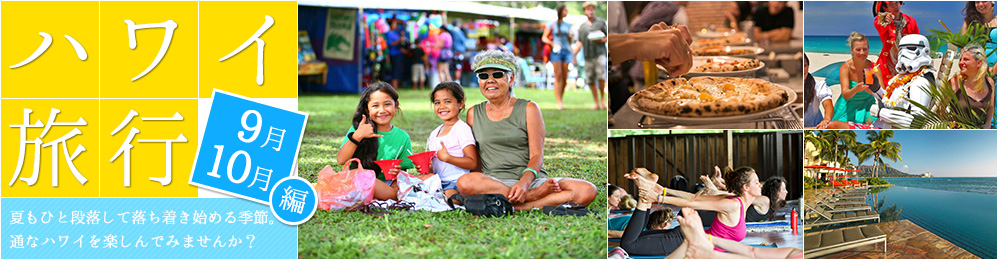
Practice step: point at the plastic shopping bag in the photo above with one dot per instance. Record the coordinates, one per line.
(424, 194)
(345, 189)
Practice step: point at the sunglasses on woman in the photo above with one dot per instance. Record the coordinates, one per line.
(495, 74)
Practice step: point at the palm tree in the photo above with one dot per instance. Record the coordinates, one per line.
(881, 147)
(857, 150)
(835, 139)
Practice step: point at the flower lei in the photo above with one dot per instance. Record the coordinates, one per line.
(900, 82)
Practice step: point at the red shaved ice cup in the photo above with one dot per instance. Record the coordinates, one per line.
(423, 160)
(388, 165)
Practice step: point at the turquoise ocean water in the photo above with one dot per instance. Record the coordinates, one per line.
(837, 44)
(960, 210)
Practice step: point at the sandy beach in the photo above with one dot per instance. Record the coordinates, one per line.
(820, 60)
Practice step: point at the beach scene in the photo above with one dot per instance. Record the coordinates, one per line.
(853, 35)
(900, 194)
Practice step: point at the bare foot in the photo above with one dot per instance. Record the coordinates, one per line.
(699, 252)
(645, 184)
(646, 174)
(690, 224)
(561, 106)
(550, 186)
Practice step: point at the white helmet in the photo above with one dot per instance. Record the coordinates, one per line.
(913, 53)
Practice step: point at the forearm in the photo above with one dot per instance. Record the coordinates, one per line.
(847, 92)
(780, 35)
(622, 46)
(680, 194)
(614, 233)
(829, 109)
(346, 152)
(463, 162)
(733, 247)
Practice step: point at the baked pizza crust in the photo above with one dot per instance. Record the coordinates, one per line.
(715, 65)
(710, 97)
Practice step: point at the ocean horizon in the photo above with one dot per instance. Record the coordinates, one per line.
(961, 210)
(837, 44)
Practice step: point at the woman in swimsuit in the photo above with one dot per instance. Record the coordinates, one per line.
(983, 13)
(855, 101)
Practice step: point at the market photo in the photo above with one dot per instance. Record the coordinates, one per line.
(453, 129)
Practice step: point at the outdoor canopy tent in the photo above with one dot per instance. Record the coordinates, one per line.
(345, 76)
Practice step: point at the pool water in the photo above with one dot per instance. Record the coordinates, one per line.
(961, 210)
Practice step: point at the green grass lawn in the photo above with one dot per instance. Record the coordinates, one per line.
(575, 147)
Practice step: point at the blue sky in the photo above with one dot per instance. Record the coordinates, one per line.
(944, 153)
(839, 18)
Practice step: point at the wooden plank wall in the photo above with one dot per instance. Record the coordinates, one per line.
(692, 155)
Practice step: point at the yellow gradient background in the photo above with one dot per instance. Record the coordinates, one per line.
(57, 73)
(176, 74)
(86, 162)
(148, 159)
(226, 25)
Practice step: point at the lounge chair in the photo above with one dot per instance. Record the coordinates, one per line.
(856, 200)
(828, 218)
(834, 207)
(831, 241)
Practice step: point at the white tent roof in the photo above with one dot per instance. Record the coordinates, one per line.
(461, 7)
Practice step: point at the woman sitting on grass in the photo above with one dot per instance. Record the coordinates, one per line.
(743, 183)
(510, 134)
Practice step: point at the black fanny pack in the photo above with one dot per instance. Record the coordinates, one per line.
(489, 205)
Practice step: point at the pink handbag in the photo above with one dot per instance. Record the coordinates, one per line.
(345, 189)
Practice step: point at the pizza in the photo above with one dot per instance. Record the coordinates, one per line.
(723, 41)
(726, 65)
(722, 51)
(710, 96)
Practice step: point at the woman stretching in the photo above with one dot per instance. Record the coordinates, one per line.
(730, 221)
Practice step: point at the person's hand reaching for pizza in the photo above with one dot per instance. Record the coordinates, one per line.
(666, 46)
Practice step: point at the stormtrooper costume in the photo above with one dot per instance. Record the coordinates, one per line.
(915, 76)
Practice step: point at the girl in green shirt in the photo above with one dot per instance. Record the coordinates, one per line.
(373, 137)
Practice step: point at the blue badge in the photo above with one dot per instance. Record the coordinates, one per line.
(247, 147)
(293, 200)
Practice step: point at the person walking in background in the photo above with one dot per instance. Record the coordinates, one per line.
(592, 43)
(417, 58)
(891, 25)
(459, 39)
(560, 51)
(395, 39)
(446, 54)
